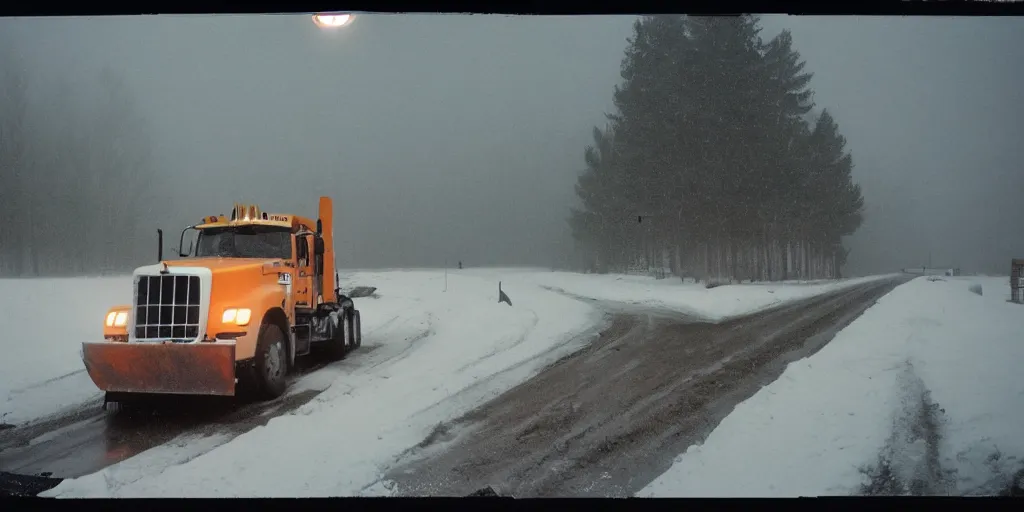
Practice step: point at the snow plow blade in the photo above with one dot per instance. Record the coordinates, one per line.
(167, 368)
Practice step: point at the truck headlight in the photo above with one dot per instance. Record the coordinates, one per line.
(116, 320)
(237, 316)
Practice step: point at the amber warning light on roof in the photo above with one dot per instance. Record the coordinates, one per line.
(332, 19)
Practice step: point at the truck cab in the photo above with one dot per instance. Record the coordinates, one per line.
(250, 294)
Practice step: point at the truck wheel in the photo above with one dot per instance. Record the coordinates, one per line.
(271, 362)
(338, 346)
(357, 326)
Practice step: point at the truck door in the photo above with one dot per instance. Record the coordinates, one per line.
(301, 286)
(318, 269)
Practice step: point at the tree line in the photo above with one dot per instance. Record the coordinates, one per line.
(75, 173)
(715, 162)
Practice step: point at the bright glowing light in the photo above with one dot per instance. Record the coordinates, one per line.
(237, 316)
(332, 20)
(243, 317)
(121, 319)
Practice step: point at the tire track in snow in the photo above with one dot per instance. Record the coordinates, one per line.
(45, 382)
(571, 345)
(909, 463)
(409, 344)
(502, 348)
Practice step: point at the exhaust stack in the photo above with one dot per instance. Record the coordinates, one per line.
(325, 221)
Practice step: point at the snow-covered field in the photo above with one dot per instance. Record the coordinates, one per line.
(825, 424)
(429, 355)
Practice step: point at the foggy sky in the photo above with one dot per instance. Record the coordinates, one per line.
(932, 109)
(460, 137)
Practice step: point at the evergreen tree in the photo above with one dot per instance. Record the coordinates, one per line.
(787, 103)
(596, 226)
(711, 143)
(835, 202)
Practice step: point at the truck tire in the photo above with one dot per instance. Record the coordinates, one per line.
(338, 346)
(357, 326)
(270, 365)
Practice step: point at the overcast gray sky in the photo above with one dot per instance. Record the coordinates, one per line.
(932, 109)
(460, 137)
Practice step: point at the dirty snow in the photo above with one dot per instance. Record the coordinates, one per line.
(821, 428)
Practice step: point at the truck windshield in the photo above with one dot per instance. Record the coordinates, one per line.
(244, 242)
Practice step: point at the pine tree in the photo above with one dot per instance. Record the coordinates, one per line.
(788, 100)
(837, 206)
(648, 107)
(710, 141)
(596, 225)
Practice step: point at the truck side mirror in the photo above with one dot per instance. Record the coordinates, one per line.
(191, 245)
(318, 246)
(319, 227)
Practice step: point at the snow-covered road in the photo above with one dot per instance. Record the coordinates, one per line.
(430, 355)
(43, 374)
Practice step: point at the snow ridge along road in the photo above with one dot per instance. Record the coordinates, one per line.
(609, 419)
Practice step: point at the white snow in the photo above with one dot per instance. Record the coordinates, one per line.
(828, 417)
(429, 355)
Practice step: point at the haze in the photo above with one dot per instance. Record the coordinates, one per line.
(447, 138)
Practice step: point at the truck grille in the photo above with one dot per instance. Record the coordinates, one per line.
(167, 307)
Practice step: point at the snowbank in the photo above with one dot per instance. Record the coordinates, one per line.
(715, 304)
(44, 322)
(930, 357)
(428, 356)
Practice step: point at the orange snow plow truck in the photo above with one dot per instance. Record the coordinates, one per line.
(253, 292)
